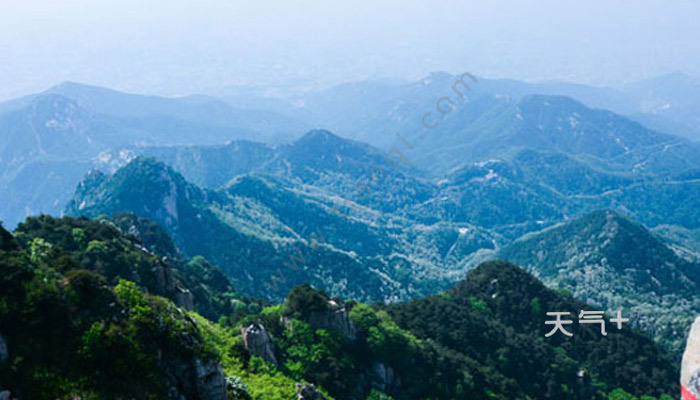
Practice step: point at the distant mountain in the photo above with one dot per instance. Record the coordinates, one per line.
(206, 166)
(488, 127)
(616, 264)
(372, 111)
(494, 118)
(669, 103)
(69, 126)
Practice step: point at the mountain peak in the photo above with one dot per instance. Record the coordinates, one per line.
(70, 88)
(143, 186)
(319, 135)
(323, 143)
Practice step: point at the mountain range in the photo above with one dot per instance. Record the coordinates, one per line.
(357, 110)
(53, 138)
(369, 224)
(295, 219)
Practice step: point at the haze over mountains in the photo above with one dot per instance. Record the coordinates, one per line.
(590, 202)
(71, 128)
(387, 223)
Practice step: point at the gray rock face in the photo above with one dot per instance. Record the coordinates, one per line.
(164, 276)
(211, 382)
(307, 391)
(4, 355)
(690, 367)
(335, 318)
(259, 342)
(184, 299)
(384, 377)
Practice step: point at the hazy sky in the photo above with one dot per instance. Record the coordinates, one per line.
(179, 47)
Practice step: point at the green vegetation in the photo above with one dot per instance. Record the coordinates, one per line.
(618, 264)
(69, 333)
(83, 315)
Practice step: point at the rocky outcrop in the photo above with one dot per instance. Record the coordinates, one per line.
(211, 382)
(334, 318)
(259, 342)
(4, 355)
(384, 378)
(690, 367)
(184, 299)
(307, 391)
(164, 276)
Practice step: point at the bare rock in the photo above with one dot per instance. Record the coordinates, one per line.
(334, 318)
(384, 377)
(258, 342)
(184, 299)
(690, 367)
(164, 276)
(211, 382)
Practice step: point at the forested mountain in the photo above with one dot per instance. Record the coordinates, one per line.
(80, 306)
(396, 235)
(82, 302)
(269, 235)
(528, 186)
(614, 263)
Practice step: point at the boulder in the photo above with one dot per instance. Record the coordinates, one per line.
(690, 367)
(307, 391)
(211, 382)
(259, 342)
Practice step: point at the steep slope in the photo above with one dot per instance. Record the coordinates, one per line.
(140, 251)
(355, 171)
(72, 326)
(499, 311)
(614, 263)
(208, 166)
(345, 194)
